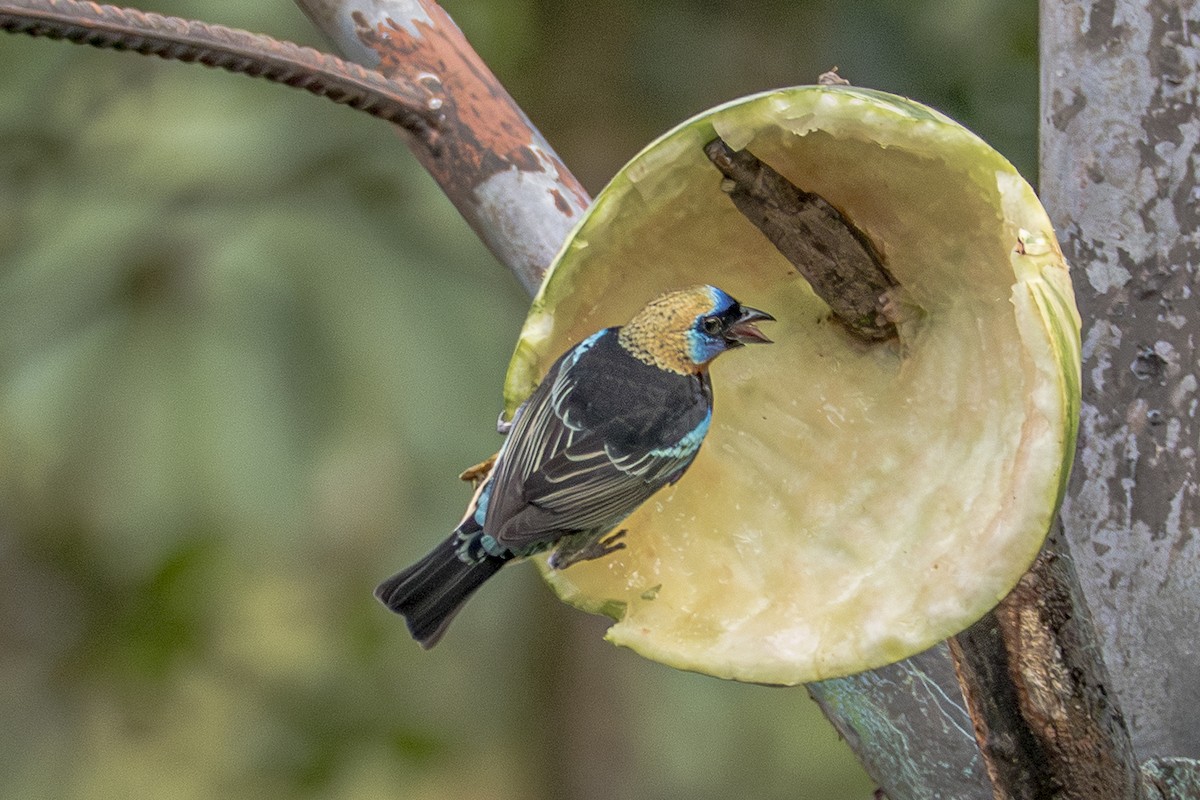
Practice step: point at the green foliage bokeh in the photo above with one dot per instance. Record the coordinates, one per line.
(245, 347)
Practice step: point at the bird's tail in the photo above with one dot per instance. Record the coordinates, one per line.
(429, 593)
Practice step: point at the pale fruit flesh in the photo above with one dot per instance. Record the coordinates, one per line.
(852, 504)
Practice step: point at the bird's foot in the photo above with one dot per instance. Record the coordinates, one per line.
(478, 472)
(569, 553)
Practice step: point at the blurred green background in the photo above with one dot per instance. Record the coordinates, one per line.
(245, 348)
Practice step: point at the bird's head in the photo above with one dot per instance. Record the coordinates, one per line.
(684, 330)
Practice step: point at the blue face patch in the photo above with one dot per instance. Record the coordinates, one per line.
(704, 347)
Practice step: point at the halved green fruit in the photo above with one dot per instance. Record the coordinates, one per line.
(853, 504)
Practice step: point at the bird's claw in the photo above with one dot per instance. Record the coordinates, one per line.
(598, 547)
(609, 544)
(503, 426)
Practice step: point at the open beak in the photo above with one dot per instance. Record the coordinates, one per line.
(744, 331)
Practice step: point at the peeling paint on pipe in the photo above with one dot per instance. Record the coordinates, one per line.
(495, 167)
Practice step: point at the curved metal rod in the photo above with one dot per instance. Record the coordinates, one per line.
(414, 109)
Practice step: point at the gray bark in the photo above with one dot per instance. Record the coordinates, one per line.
(1119, 177)
(909, 726)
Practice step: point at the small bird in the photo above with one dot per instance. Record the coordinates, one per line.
(617, 417)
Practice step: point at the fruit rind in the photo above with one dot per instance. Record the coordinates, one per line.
(797, 550)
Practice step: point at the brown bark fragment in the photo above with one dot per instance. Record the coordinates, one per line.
(1038, 693)
(838, 259)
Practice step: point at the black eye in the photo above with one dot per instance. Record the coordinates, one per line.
(712, 325)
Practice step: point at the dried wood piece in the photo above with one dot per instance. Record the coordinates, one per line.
(1039, 694)
(831, 78)
(838, 259)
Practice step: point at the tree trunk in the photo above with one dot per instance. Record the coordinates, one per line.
(1119, 176)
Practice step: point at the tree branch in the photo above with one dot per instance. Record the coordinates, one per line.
(493, 164)
(1038, 693)
(413, 108)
